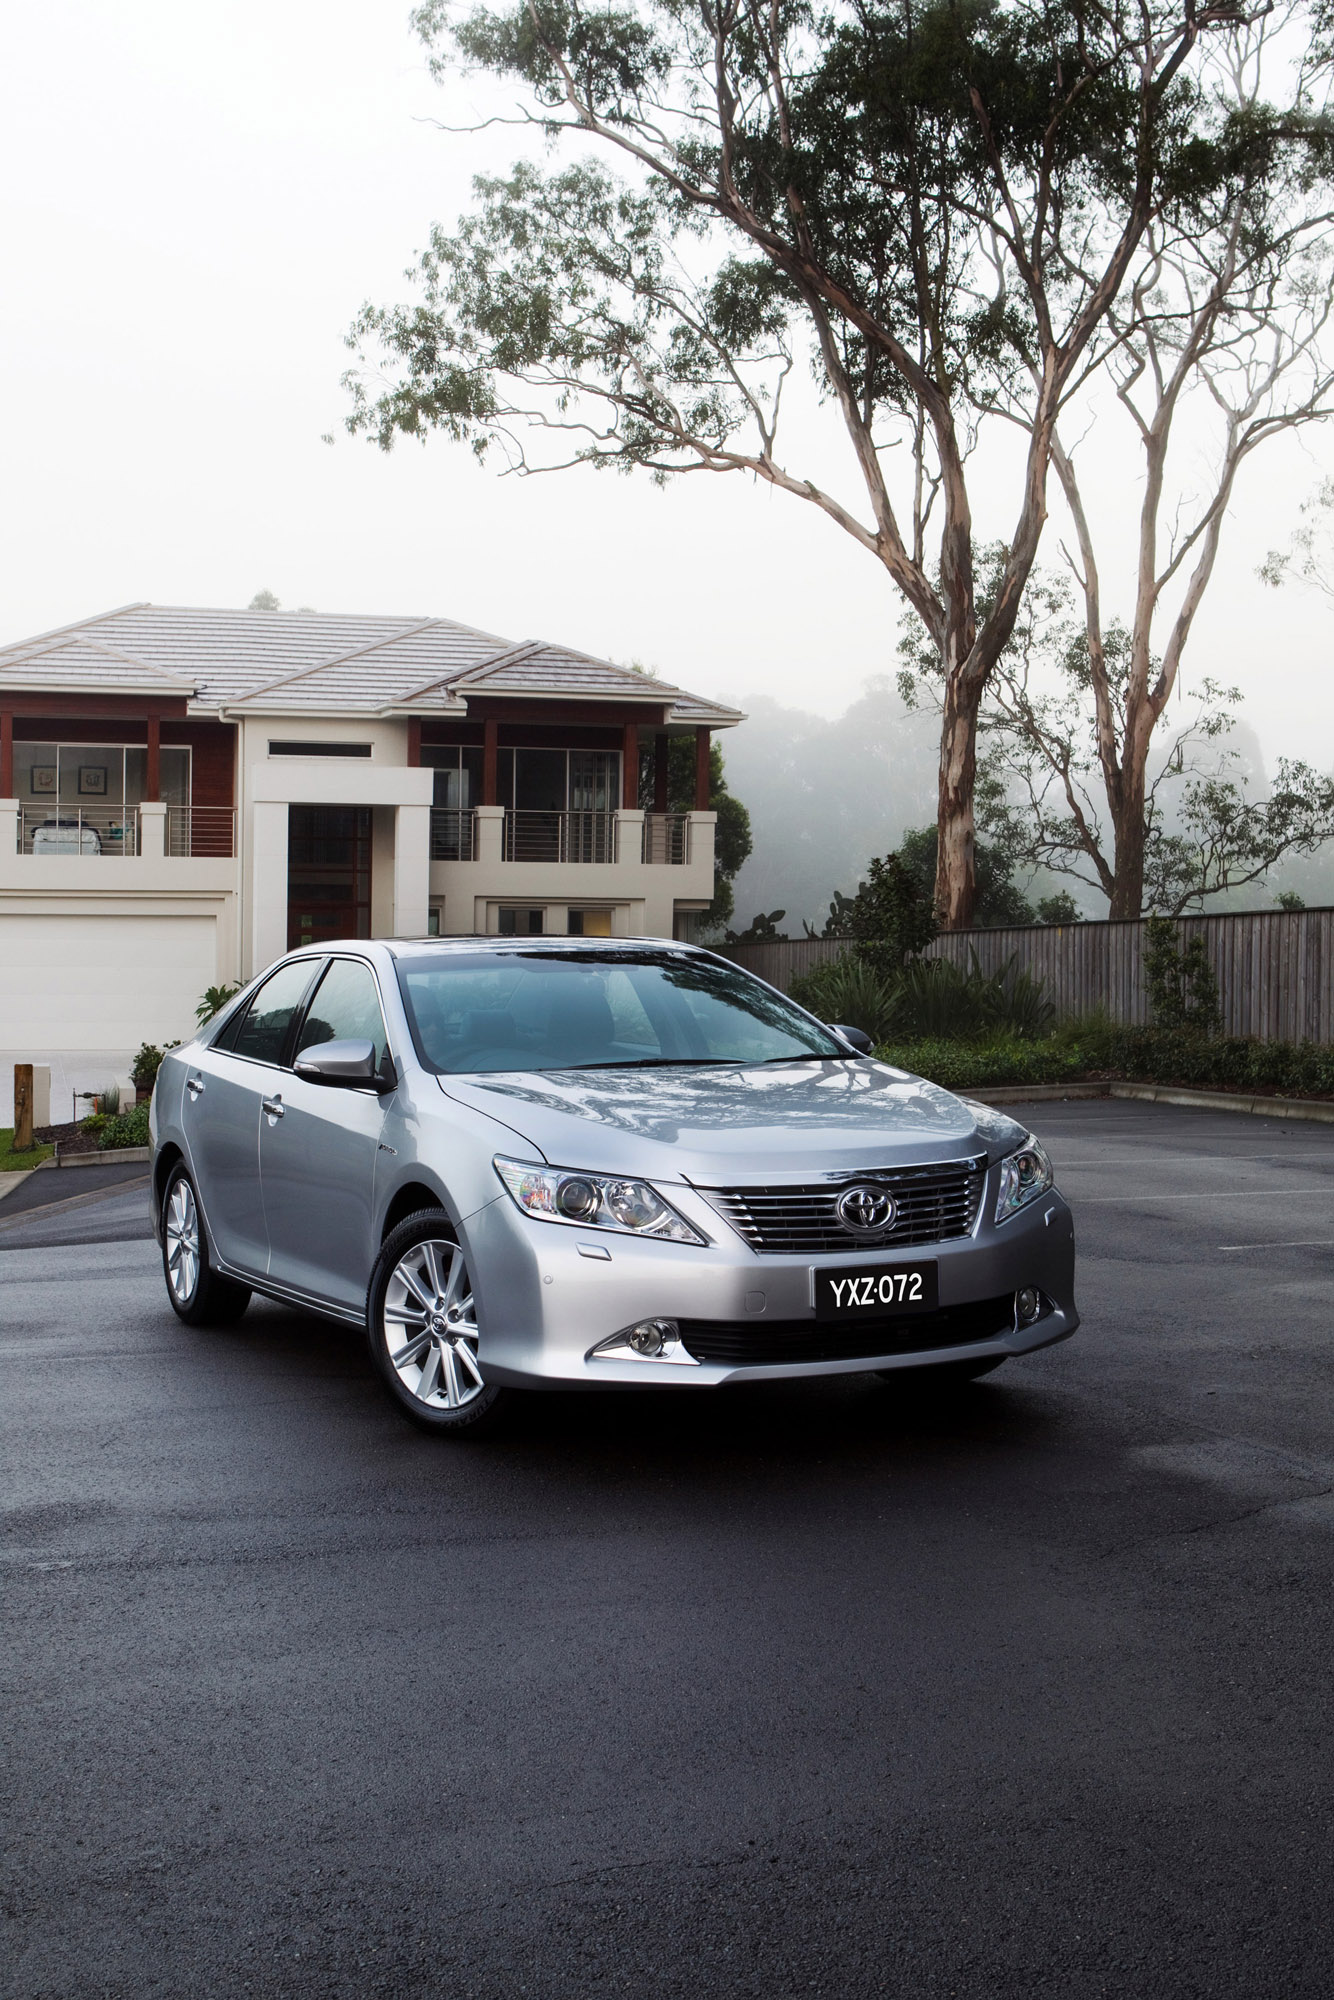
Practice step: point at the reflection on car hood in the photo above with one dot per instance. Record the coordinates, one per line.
(713, 1125)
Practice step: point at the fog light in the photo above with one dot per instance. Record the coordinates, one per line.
(646, 1340)
(1027, 1305)
(650, 1335)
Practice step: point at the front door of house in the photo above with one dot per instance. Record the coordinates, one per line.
(328, 873)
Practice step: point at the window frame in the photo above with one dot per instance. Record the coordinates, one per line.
(390, 1063)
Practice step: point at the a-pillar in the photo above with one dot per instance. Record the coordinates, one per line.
(412, 870)
(268, 891)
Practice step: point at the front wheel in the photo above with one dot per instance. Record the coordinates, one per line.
(198, 1294)
(421, 1325)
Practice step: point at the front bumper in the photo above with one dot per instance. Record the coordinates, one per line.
(547, 1293)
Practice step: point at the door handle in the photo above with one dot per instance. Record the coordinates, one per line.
(272, 1107)
(195, 1085)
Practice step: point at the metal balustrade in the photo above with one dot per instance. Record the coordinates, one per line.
(667, 838)
(560, 836)
(77, 830)
(453, 835)
(206, 832)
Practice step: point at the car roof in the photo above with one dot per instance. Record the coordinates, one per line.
(490, 941)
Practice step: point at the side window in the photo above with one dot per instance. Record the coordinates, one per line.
(264, 1030)
(346, 1008)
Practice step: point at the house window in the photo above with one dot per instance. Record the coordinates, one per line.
(519, 923)
(458, 775)
(590, 923)
(433, 921)
(537, 780)
(291, 748)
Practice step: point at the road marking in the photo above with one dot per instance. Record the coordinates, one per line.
(1299, 1243)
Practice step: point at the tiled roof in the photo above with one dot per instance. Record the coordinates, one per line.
(310, 662)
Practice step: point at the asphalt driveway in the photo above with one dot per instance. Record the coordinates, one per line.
(835, 1690)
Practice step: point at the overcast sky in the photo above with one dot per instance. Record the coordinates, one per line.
(196, 201)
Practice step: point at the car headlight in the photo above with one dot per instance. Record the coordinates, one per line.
(594, 1201)
(1024, 1175)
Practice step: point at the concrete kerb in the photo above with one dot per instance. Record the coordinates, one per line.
(1319, 1111)
(114, 1156)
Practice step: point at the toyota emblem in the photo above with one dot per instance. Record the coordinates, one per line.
(867, 1211)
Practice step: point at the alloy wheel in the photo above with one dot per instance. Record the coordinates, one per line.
(182, 1225)
(430, 1326)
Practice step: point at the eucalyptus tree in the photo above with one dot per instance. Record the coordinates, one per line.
(933, 206)
(1223, 343)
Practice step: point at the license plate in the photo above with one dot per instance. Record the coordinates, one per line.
(875, 1291)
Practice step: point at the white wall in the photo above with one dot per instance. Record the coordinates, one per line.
(102, 982)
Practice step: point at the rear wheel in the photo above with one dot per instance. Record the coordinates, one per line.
(421, 1324)
(942, 1374)
(198, 1294)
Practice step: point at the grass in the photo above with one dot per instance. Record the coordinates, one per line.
(12, 1162)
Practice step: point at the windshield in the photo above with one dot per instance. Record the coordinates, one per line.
(542, 1010)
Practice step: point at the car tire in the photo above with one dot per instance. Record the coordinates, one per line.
(421, 1328)
(199, 1295)
(942, 1374)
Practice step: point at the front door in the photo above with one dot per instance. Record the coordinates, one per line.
(318, 1147)
(328, 873)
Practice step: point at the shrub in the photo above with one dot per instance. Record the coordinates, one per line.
(1001, 1059)
(851, 993)
(146, 1065)
(1183, 992)
(129, 1130)
(213, 1000)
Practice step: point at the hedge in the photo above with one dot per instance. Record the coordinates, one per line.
(1139, 1055)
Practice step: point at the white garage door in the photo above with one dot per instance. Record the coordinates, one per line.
(102, 982)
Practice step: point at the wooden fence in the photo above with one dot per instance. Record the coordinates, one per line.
(1275, 968)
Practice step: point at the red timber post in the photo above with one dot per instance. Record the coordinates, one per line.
(701, 770)
(490, 741)
(414, 740)
(630, 767)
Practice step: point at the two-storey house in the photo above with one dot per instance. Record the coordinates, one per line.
(185, 794)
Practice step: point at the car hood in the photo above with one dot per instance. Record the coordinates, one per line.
(712, 1125)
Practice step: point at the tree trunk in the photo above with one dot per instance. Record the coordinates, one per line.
(1127, 898)
(955, 875)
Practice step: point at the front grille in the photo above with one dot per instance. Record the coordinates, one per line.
(758, 1343)
(934, 1204)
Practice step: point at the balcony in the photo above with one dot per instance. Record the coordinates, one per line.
(453, 834)
(581, 838)
(205, 833)
(666, 839)
(78, 830)
(559, 836)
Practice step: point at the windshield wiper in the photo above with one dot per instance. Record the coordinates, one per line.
(694, 1062)
(657, 1062)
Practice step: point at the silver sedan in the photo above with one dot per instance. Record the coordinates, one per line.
(541, 1162)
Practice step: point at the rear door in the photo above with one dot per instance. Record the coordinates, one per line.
(318, 1148)
(225, 1086)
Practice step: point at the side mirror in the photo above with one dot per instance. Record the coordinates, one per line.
(349, 1064)
(857, 1037)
